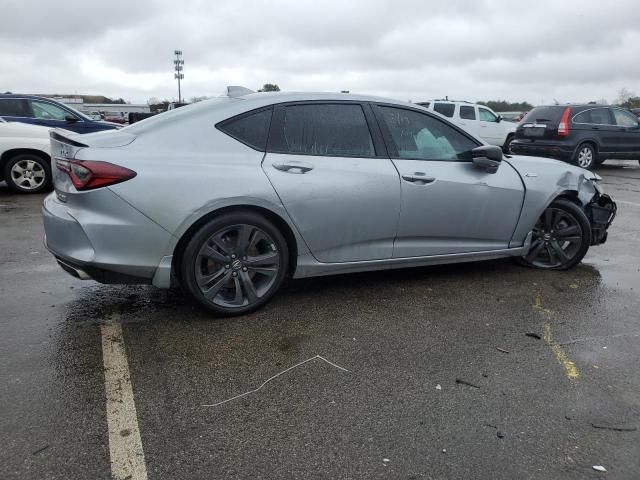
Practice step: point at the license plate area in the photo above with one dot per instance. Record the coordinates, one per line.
(534, 130)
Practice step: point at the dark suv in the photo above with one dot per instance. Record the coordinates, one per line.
(582, 134)
(48, 112)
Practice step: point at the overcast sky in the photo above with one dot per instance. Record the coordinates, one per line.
(474, 50)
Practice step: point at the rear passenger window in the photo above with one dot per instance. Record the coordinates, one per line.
(445, 109)
(467, 112)
(324, 129)
(595, 116)
(251, 129)
(13, 107)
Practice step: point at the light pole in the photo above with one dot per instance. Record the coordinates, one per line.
(178, 67)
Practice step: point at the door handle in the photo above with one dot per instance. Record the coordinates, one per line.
(293, 167)
(419, 178)
(595, 128)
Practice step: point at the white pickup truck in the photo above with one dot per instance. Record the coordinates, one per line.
(476, 119)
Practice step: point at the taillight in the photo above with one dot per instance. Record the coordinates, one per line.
(563, 126)
(86, 174)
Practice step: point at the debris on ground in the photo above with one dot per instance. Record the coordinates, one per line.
(464, 382)
(500, 434)
(40, 450)
(438, 387)
(502, 350)
(614, 428)
(599, 468)
(533, 335)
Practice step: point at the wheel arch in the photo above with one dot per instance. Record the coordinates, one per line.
(285, 228)
(588, 141)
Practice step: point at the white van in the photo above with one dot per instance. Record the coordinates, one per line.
(477, 119)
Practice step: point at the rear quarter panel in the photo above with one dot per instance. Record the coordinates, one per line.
(186, 170)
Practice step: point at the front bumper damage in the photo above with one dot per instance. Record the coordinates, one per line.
(601, 211)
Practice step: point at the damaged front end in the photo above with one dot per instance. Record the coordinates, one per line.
(601, 211)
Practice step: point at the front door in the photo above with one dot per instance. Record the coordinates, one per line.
(337, 184)
(490, 129)
(628, 134)
(53, 116)
(448, 204)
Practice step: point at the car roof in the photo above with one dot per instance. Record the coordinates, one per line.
(20, 95)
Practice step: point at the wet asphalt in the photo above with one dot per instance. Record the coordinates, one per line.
(404, 338)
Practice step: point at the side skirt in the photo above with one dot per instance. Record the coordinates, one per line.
(310, 267)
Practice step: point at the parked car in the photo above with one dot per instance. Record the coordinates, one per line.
(115, 117)
(585, 135)
(25, 162)
(230, 195)
(636, 111)
(49, 113)
(476, 119)
(514, 117)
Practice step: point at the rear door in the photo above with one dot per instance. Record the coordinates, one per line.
(448, 205)
(468, 119)
(628, 134)
(327, 162)
(598, 124)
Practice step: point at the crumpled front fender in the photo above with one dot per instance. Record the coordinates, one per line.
(544, 181)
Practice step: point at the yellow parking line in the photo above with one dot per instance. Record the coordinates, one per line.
(125, 445)
(561, 356)
(569, 366)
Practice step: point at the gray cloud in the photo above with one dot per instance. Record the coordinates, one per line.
(570, 50)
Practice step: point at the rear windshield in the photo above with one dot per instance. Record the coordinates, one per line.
(550, 114)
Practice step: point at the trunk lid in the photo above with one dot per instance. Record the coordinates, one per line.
(541, 123)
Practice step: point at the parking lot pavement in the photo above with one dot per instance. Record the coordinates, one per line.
(419, 373)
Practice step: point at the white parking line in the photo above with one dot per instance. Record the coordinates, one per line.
(125, 445)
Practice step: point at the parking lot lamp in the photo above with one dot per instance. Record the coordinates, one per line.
(178, 67)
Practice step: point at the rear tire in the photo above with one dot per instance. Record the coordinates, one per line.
(561, 237)
(585, 156)
(28, 173)
(234, 264)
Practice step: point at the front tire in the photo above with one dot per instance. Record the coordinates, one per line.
(234, 264)
(561, 237)
(28, 173)
(585, 156)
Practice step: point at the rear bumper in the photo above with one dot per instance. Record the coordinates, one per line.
(542, 149)
(104, 239)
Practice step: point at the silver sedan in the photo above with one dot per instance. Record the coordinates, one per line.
(229, 196)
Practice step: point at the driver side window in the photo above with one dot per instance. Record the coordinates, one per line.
(486, 115)
(419, 136)
(47, 111)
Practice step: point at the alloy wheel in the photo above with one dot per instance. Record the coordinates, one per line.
(557, 239)
(237, 266)
(28, 174)
(585, 157)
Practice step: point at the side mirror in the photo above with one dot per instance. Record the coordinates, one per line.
(70, 119)
(487, 157)
(500, 118)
